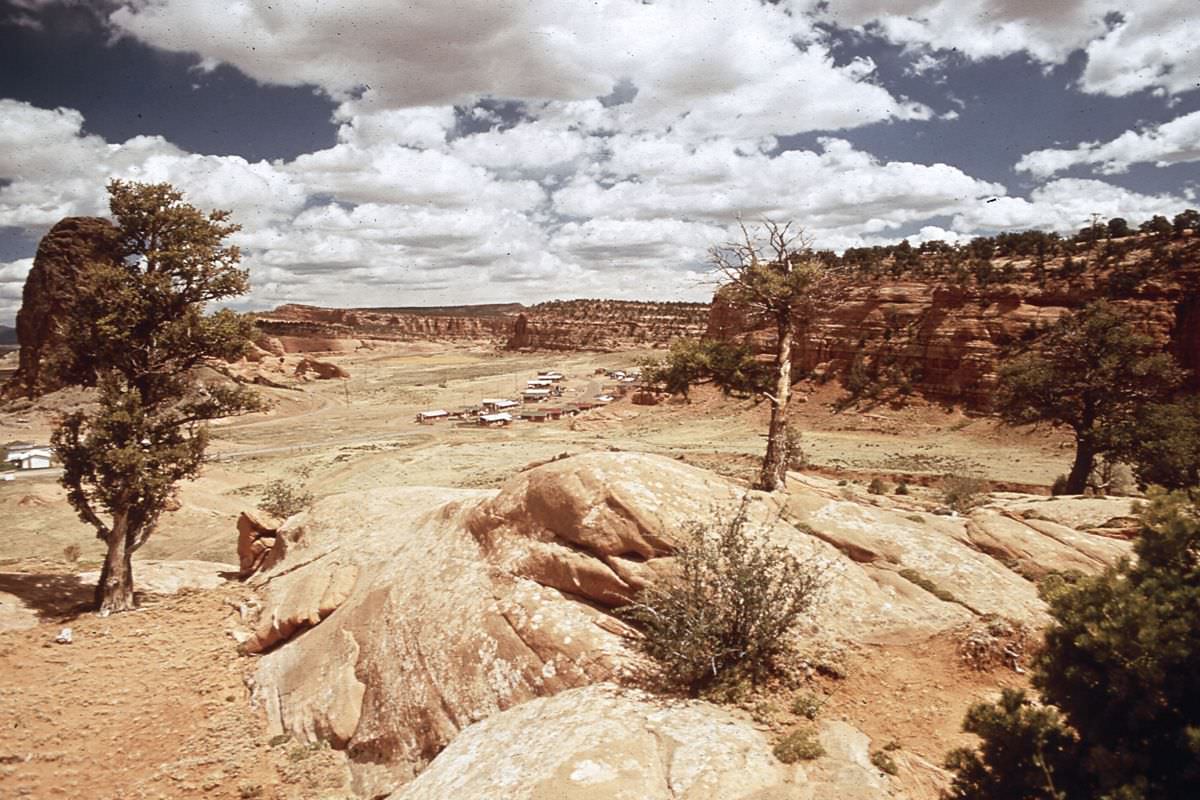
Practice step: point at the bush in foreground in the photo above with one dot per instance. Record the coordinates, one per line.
(1120, 711)
(728, 610)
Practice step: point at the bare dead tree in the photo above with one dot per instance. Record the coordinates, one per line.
(773, 272)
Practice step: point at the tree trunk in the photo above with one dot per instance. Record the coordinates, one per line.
(114, 591)
(1085, 456)
(774, 467)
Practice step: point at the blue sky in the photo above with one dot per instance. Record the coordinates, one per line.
(518, 150)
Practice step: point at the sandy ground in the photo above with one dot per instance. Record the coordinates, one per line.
(152, 704)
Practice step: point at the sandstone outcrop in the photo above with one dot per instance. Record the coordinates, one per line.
(426, 611)
(606, 325)
(605, 742)
(170, 577)
(946, 340)
(66, 249)
(560, 325)
(256, 540)
(321, 370)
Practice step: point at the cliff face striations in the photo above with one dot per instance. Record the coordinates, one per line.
(945, 338)
(68, 247)
(559, 325)
(606, 325)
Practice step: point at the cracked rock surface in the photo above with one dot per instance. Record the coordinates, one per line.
(394, 620)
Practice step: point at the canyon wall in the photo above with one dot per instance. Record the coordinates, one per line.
(560, 325)
(945, 339)
(606, 325)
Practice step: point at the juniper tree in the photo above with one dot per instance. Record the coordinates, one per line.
(774, 273)
(1092, 373)
(136, 329)
(1120, 711)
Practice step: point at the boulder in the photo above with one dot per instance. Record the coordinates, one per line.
(321, 370)
(172, 577)
(605, 742)
(256, 539)
(70, 245)
(424, 611)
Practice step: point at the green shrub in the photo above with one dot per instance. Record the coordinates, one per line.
(962, 493)
(884, 762)
(1119, 716)
(877, 486)
(729, 607)
(806, 705)
(901, 488)
(1059, 486)
(283, 499)
(799, 745)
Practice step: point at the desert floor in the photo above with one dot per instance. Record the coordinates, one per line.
(152, 704)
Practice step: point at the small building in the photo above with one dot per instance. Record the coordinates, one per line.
(584, 405)
(495, 420)
(532, 415)
(553, 413)
(553, 377)
(535, 395)
(539, 383)
(24, 455)
(427, 417)
(491, 405)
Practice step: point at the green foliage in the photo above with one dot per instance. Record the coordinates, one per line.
(1117, 676)
(729, 607)
(901, 488)
(799, 745)
(1059, 486)
(806, 705)
(884, 762)
(136, 329)
(877, 486)
(1091, 373)
(962, 493)
(729, 365)
(282, 499)
(1164, 444)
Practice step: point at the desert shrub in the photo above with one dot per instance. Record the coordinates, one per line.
(962, 493)
(728, 609)
(799, 745)
(1059, 486)
(877, 486)
(992, 642)
(283, 499)
(806, 705)
(884, 762)
(901, 488)
(72, 552)
(1119, 716)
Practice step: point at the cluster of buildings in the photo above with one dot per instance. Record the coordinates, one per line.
(536, 405)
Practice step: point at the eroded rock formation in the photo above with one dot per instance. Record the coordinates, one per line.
(66, 249)
(427, 611)
(605, 742)
(946, 340)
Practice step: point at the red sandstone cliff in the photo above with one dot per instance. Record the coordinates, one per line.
(945, 339)
(606, 325)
